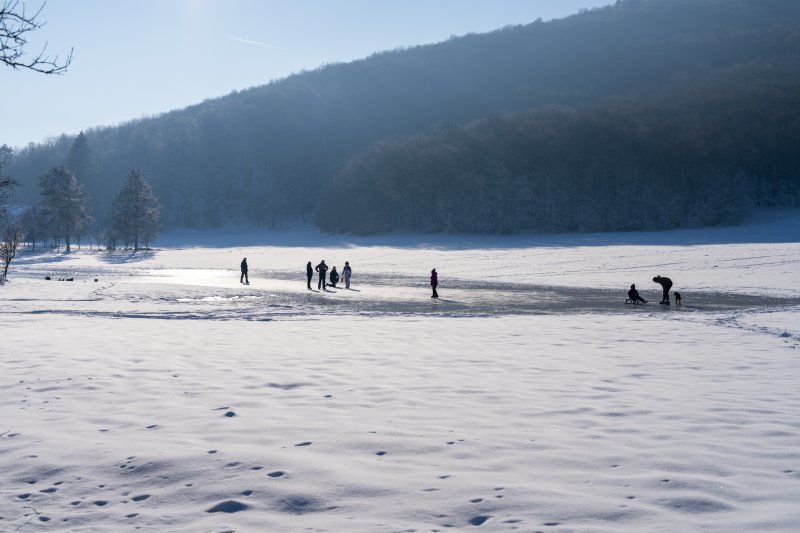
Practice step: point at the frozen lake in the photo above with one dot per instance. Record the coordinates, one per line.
(167, 396)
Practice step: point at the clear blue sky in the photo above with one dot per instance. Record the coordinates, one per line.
(142, 57)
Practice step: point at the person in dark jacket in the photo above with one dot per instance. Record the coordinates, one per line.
(434, 283)
(334, 277)
(322, 268)
(633, 295)
(666, 285)
(309, 273)
(347, 272)
(244, 272)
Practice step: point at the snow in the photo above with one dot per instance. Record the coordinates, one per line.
(167, 396)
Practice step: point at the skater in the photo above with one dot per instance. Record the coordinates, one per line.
(322, 268)
(677, 298)
(244, 273)
(334, 277)
(347, 272)
(633, 295)
(666, 285)
(309, 273)
(434, 283)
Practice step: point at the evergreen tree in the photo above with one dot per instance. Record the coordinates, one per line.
(63, 203)
(32, 223)
(79, 160)
(136, 211)
(6, 182)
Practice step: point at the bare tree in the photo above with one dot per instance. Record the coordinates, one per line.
(15, 25)
(12, 236)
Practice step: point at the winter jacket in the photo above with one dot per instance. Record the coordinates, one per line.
(309, 270)
(664, 282)
(434, 279)
(347, 271)
(334, 276)
(321, 268)
(244, 265)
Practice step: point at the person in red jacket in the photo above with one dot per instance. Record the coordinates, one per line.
(434, 283)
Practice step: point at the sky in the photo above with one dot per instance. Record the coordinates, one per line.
(135, 58)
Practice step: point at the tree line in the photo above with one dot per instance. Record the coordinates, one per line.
(684, 159)
(62, 214)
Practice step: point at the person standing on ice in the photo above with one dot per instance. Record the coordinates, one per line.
(322, 268)
(309, 273)
(347, 272)
(434, 283)
(666, 285)
(243, 278)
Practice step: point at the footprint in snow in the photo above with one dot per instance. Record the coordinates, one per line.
(479, 520)
(228, 506)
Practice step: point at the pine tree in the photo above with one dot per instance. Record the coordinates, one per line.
(6, 182)
(136, 211)
(79, 161)
(63, 203)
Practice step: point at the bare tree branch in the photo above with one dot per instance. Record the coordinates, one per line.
(15, 24)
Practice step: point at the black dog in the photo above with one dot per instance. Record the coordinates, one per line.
(677, 298)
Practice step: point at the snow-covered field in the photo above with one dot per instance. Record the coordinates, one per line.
(166, 396)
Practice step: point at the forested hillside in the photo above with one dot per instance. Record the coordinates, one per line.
(683, 159)
(668, 112)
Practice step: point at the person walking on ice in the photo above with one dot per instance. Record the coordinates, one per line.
(322, 268)
(434, 283)
(243, 278)
(309, 274)
(666, 285)
(347, 272)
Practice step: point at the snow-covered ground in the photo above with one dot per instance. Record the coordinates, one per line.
(167, 396)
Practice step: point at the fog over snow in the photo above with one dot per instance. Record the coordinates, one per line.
(167, 396)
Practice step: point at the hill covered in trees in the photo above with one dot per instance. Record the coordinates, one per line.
(644, 114)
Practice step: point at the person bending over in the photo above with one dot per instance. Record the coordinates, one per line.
(666, 285)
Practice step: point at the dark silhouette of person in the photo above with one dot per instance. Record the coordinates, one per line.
(633, 295)
(244, 272)
(347, 272)
(309, 274)
(322, 268)
(434, 283)
(666, 285)
(334, 277)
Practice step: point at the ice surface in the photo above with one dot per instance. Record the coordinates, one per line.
(166, 396)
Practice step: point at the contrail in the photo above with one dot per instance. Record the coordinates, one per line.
(254, 42)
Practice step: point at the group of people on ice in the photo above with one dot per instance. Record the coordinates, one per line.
(334, 278)
(322, 269)
(666, 285)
